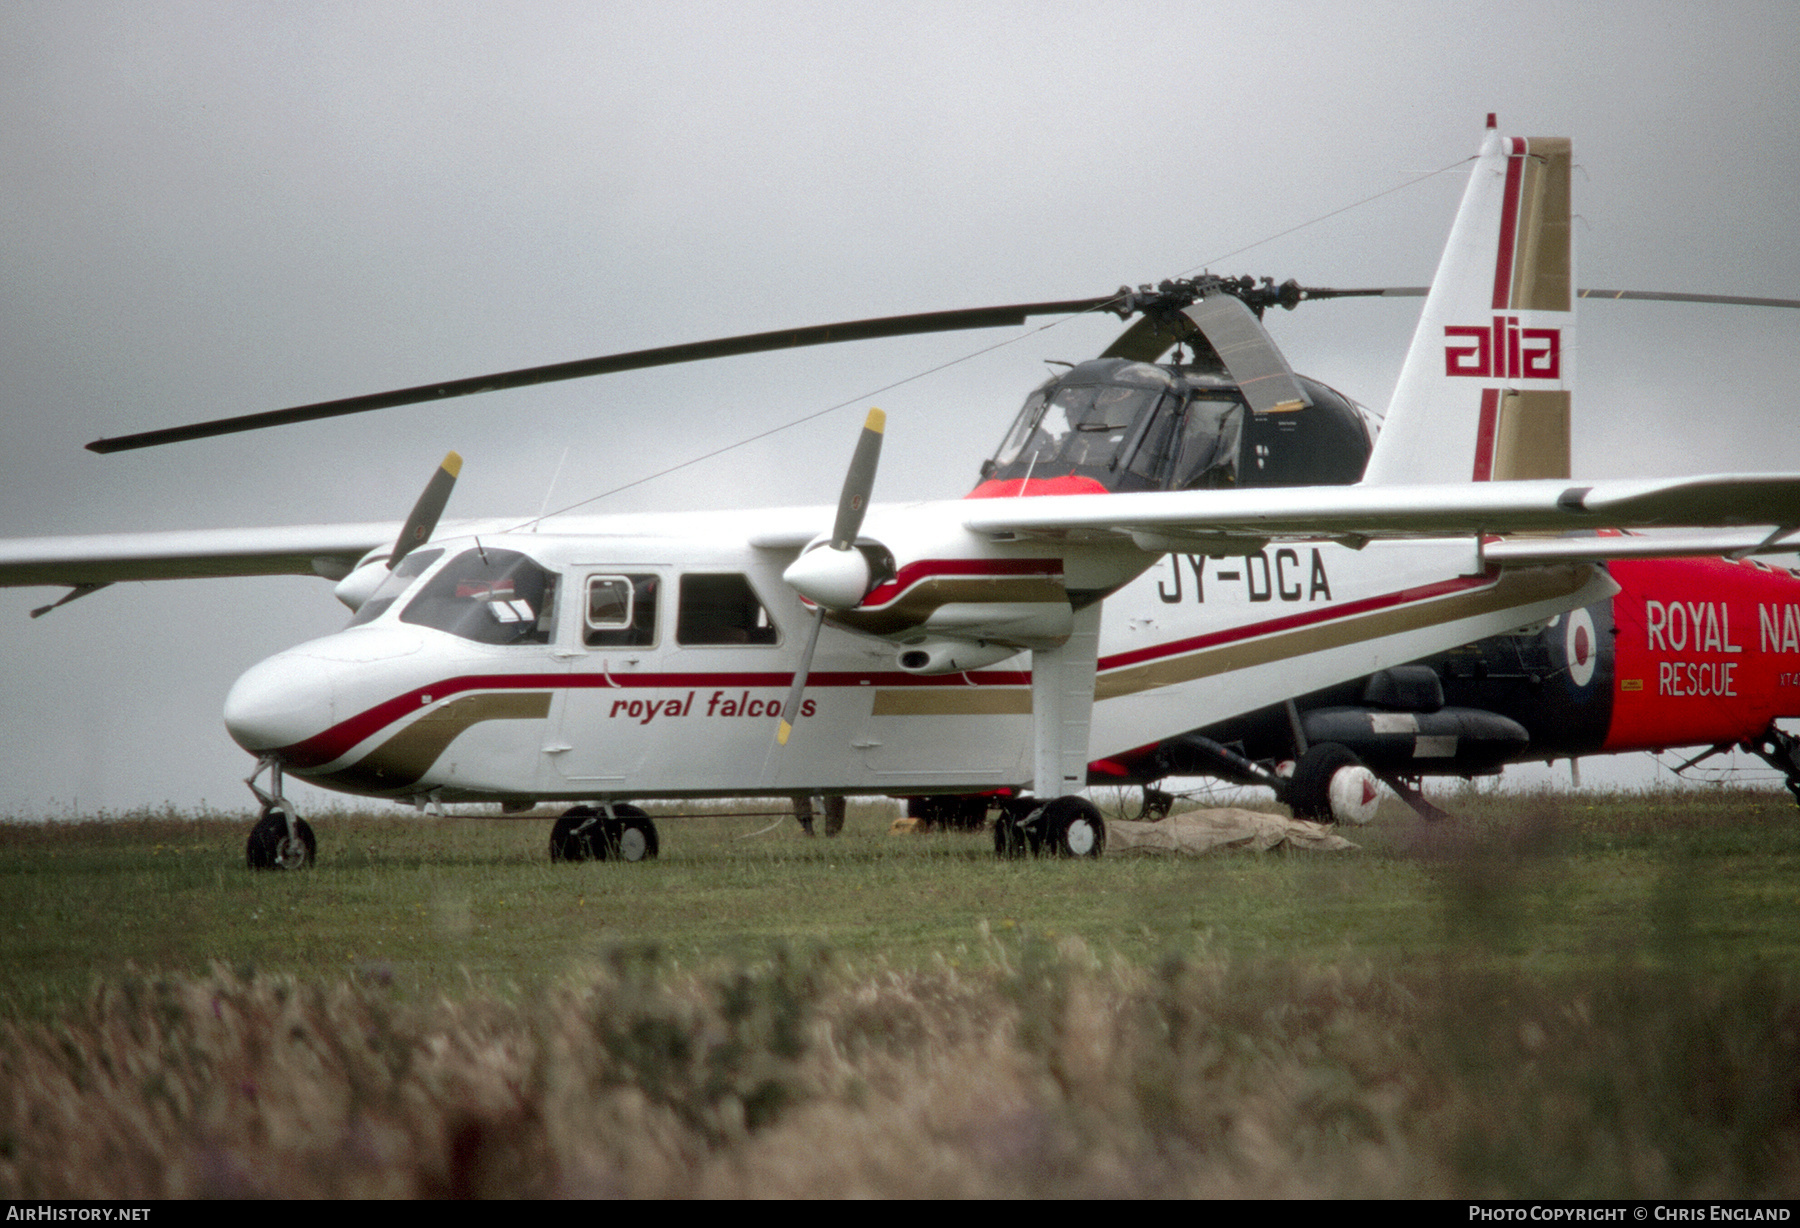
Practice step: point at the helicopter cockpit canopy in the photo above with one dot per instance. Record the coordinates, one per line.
(1137, 426)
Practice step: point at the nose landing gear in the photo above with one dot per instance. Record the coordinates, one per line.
(281, 839)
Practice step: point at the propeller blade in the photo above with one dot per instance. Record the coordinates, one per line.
(858, 482)
(853, 504)
(419, 525)
(750, 343)
(790, 709)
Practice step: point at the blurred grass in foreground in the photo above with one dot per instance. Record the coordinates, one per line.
(1549, 996)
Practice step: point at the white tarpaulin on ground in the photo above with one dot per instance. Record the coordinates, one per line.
(1202, 831)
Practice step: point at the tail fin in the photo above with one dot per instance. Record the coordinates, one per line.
(1484, 394)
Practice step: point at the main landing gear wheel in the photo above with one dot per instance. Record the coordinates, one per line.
(272, 847)
(630, 835)
(1063, 827)
(1073, 828)
(1331, 785)
(579, 835)
(584, 833)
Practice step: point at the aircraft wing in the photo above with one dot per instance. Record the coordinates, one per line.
(329, 550)
(1737, 544)
(1204, 519)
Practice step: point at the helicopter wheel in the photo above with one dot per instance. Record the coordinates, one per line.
(630, 835)
(271, 848)
(1331, 785)
(579, 835)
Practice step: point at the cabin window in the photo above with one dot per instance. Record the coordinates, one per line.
(398, 581)
(621, 611)
(722, 609)
(489, 596)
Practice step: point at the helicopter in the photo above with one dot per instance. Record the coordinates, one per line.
(949, 647)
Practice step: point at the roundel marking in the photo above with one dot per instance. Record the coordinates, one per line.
(1580, 647)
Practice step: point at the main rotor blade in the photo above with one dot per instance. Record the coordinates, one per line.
(1149, 337)
(694, 351)
(1249, 353)
(417, 529)
(1672, 296)
(1639, 296)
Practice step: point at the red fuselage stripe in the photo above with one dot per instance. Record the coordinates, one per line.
(1294, 621)
(340, 739)
(930, 569)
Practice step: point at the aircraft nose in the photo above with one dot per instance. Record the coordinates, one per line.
(279, 702)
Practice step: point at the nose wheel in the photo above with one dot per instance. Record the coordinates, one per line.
(281, 839)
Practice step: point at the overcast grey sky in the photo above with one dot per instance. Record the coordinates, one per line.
(214, 208)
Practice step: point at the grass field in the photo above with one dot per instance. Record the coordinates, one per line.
(1548, 995)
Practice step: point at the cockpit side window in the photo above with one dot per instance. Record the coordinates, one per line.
(1022, 427)
(722, 609)
(398, 581)
(621, 611)
(1150, 458)
(489, 596)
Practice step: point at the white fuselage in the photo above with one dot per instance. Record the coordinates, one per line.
(684, 703)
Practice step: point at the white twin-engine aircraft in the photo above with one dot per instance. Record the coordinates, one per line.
(959, 647)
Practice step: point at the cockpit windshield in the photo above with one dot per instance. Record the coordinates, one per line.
(1129, 426)
(489, 596)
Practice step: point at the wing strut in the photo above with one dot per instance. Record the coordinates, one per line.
(1062, 707)
(78, 591)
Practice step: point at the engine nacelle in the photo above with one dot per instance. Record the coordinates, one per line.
(361, 583)
(952, 656)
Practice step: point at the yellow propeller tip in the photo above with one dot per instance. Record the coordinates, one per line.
(877, 422)
(452, 464)
(781, 734)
